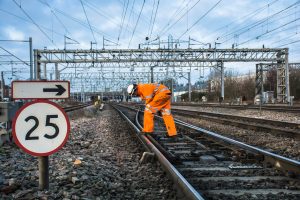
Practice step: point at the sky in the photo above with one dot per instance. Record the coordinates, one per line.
(125, 24)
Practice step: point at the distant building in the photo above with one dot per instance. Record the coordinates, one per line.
(7, 91)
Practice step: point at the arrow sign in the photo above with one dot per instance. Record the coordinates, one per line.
(59, 89)
(40, 89)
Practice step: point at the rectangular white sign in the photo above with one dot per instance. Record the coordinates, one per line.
(40, 89)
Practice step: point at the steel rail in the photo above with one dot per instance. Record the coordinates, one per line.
(292, 109)
(223, 115)
(76, 107)
(277, 160)
(278, 127)
(177, 178)
(136, 129)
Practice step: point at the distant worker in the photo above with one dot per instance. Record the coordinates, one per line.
(158, 99)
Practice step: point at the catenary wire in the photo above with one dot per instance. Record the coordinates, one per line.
(255, 24)
(88, 21)
(162, 33)
(204, 15)
(122, 21)
(153, 6)
(154, 18)
(243, 18)
(14, 56)
(47, 36)
(269, 31)
(176, 13)
(136, 23)
(52, 11)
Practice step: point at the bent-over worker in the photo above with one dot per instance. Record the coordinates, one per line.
(158, 98)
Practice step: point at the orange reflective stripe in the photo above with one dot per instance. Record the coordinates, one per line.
(156, 88)
(149, 96)
(164, 89)
(166, 111)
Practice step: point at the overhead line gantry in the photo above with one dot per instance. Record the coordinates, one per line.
(173, 57)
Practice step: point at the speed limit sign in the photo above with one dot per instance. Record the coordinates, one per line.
(41, 128)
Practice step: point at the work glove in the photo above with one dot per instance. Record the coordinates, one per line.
(159, 113)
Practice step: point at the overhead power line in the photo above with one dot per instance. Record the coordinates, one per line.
(122, 21)
(136, 23)
(255, 24)
(58, 19)
(87, 19)
(82, 23)
(196, 22)
(168, 28)
(154, 18)
(28, 21)
(293, 42)
(269, 31)
(152, 10)
(177, 12)
(14, 56)
(34, 22)
(130, 14)
(243, 18)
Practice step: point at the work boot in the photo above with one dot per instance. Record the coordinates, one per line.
(156, 136)
(146, 133)
(173, 138)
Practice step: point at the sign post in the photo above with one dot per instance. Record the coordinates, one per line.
(41, 127)
(44, 172)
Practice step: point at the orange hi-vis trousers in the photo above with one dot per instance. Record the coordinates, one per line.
(161, 102)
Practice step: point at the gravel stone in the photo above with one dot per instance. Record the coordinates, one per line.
(281, 145)
(109, 153)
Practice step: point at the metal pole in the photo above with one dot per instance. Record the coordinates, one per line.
(65, 43)
(262, 80)
(2, 85)
(190, 87)
(43, 160)
(35, 64)
(152, 78)
(38, 67)
(45, 71)
(43, 172)
(30, 58)
(172, 90)
(287, 78)
(261, 87)
(222, 80)
(56, 72)
(103, 43)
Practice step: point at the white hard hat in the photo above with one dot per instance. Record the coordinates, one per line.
(131, 89)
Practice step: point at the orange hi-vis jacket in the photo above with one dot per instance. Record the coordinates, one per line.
(158, 98)
(149, 90)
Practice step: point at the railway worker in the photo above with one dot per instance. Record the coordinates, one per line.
(158, 99)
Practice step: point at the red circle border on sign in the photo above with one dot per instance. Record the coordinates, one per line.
(24, 148)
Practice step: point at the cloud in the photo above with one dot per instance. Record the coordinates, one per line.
(13, 34)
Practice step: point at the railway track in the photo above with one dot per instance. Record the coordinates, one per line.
(272, 126)
(292, 109)
(75, 107)
(210, 166)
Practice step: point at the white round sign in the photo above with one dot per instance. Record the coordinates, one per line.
(41, 128)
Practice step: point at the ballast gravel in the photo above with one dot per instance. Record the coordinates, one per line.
(99, 161)
(284, 146)
(263, 114)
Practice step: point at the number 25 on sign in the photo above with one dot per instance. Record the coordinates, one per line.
(41, 128)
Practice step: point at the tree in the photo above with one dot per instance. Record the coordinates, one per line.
(295, 82)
